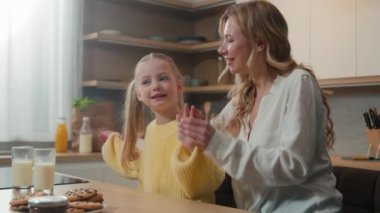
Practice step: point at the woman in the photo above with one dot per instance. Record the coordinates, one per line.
(273, 135)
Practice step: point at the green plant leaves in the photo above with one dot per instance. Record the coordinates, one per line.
(82, 103)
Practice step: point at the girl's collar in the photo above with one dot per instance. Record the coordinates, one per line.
(169, 122)
(161, 118)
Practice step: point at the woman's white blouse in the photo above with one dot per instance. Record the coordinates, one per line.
(284, 166)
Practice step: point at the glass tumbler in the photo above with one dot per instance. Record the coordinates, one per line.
(22, 164)
(44, 170)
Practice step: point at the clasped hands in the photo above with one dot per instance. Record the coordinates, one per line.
(193, 130)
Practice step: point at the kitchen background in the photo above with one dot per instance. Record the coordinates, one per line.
(336, 38)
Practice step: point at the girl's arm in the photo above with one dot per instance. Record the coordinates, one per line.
(197, 174)
(112, 151)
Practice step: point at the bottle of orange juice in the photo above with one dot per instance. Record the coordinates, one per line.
(61, 136)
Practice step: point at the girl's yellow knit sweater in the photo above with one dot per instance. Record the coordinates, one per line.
(166, 167)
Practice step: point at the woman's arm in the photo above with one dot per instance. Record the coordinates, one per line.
(287, 163)
(193, 130)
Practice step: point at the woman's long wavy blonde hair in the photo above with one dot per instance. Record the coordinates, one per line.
(134, 126)
(261, 19)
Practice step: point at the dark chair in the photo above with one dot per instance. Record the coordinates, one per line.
(224, 195)
(360, 189)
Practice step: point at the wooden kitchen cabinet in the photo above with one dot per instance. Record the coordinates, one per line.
(109, 60)
(297, 15)
(333, 38)
(368, 37)
(336, 38)
(322, 35)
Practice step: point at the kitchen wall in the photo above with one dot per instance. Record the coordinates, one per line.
(348, 105)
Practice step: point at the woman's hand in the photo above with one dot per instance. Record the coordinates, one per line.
(186, 142)
(193, 130)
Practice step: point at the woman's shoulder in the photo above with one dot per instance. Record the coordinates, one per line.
(300, 76)
(297, 78)
(299, 73)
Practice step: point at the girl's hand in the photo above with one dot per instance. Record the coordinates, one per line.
(103, 135)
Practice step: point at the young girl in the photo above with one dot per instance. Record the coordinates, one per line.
(163, 165)
(272, 137)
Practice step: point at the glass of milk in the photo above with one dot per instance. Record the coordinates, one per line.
(44, 169)
(22, 163)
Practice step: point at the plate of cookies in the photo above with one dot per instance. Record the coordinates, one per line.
(80, 200)
(85, 200)
(20, 203)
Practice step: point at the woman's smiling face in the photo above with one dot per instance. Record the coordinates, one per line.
(235, 47)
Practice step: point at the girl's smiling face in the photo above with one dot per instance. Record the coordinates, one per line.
(156, 85)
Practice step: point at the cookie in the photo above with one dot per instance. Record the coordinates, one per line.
(74, 210)
(80, 194)
(20, 203)
(21, 200)
(98, 198)
(86, 205)
(20, 208)
(38, 194)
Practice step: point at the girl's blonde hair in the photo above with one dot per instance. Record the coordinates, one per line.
(262, 20)
(134, 126)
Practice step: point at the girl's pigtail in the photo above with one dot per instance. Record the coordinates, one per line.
(133, 126)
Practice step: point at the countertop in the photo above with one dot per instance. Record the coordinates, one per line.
(5, 160)
(363, 164)
(97, 156)
(123, 199)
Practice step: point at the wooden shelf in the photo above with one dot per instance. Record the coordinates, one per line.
(350, 82)
(123, 85)
(189, 6)
(148, 43)
(324, 83)
(208, 89)
(118, 85)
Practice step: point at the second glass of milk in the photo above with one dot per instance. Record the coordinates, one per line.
(44, 170)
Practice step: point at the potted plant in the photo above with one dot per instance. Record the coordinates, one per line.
(81, 104)
(101, 116)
